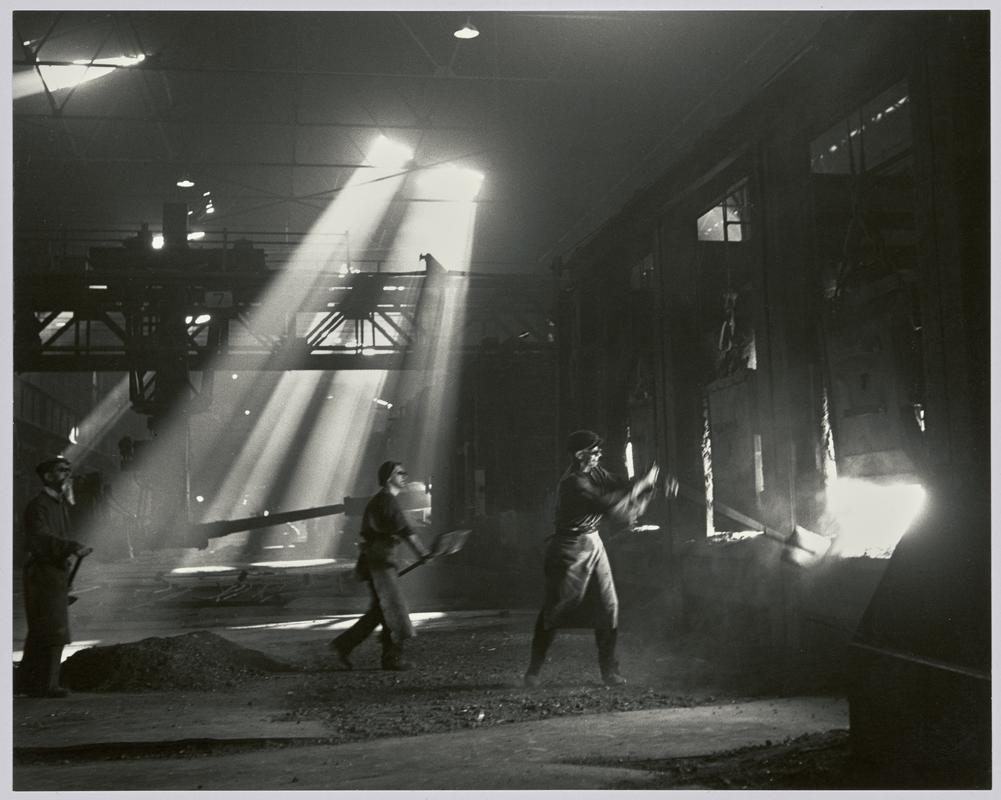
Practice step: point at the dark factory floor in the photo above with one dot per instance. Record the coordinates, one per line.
(611, 750)
(460, 720)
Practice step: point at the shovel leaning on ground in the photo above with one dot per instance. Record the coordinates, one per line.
(71, 599)
(446, 544)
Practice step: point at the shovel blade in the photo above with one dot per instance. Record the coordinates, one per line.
(451, 542)
(805, 548)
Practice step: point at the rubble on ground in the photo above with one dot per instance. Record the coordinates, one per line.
(198, 660)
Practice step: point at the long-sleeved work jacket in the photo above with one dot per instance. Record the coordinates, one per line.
(579, 585)
(46, 569)
(383, 528)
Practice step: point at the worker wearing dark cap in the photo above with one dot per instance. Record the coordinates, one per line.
(50, 553)
(578, 577)
(383, 527)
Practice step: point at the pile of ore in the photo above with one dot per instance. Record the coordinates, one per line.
(199, 660)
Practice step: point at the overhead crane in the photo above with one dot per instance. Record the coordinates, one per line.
(161, 315)
(171, 317)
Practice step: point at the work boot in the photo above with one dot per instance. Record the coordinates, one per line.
(343, 651)
(392, 654)
(47, 682)
(541, 640)
(607, 661)
(44, 680)
(611, 679)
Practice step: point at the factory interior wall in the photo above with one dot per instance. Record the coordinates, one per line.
(743, 587)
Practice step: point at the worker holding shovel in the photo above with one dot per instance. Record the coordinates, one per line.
(52, 559)
(579, 589)
(383, 527)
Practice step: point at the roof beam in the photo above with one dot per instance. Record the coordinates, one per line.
(150, 65)
(123, 118)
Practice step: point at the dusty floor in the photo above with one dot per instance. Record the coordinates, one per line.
(211, 713)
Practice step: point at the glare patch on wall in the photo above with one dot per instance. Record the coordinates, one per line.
(67, 76)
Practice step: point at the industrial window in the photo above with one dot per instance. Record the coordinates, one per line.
(729, 219)
(879, 133)
(35, 407)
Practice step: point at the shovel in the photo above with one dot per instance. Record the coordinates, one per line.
(71, 599)
(802, 547)
(446, 544)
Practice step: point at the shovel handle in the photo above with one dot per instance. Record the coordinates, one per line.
(445, 545)
(413, 566)
(80, 556)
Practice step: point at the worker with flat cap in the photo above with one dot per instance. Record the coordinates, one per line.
(383, 527)
(50, 554)
(579, 589)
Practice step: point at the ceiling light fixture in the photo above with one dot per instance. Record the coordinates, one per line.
(185, 182)
(467, 31)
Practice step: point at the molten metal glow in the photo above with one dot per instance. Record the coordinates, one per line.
(735, 536)
(870, 517)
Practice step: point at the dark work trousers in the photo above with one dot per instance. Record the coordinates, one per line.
(38, 671)
(363, 627)
(542, 639)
